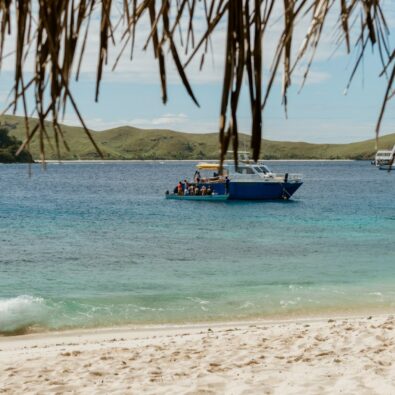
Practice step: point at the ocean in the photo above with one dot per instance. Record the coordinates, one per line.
(95, 245)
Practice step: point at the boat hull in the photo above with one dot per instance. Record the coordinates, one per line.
(387, 167)
(239, 190)
(262, 190)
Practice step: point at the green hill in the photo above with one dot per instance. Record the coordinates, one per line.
(133, 143)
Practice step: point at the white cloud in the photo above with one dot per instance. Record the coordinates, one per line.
(170, 119)
(163, 121)
(166, 121)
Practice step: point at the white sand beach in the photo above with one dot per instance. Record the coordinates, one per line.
(312, 356)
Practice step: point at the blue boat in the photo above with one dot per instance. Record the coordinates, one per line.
(248, 181)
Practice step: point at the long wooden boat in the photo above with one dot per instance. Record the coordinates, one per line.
(206, 198)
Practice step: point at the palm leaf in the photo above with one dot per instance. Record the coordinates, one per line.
(56, 32)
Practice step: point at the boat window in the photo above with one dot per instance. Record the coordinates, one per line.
(244, 170)
(264, 169)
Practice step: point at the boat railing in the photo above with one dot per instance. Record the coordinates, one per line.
(294, 177)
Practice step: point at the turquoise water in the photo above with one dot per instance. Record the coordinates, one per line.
(85, 245)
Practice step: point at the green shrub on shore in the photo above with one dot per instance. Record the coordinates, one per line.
(9, 146)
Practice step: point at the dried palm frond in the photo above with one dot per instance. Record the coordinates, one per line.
(53, 34)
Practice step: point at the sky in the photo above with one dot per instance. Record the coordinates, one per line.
(320, 113)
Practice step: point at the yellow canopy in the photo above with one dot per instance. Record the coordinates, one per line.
(207, 166)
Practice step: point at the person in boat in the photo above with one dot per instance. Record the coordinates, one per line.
(180, 189)
(209, 191)
(186, 187)
(203, 190)
(215, 177)
(197, 191)
(227, 182)
(191, 189)
(196, 176)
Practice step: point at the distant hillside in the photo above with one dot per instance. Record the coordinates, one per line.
(133, 143)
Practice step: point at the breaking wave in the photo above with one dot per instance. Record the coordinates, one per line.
(21, 314)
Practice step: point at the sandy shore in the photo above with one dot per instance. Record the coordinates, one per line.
(335, 355)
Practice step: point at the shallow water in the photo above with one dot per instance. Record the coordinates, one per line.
(86, 245)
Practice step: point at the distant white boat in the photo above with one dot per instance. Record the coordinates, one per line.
(384, 158)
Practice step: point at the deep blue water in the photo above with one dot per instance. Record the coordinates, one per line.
(97, 244)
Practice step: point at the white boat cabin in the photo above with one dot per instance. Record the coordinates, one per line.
(384, 157)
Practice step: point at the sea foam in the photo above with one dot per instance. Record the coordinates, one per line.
(21, 313)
